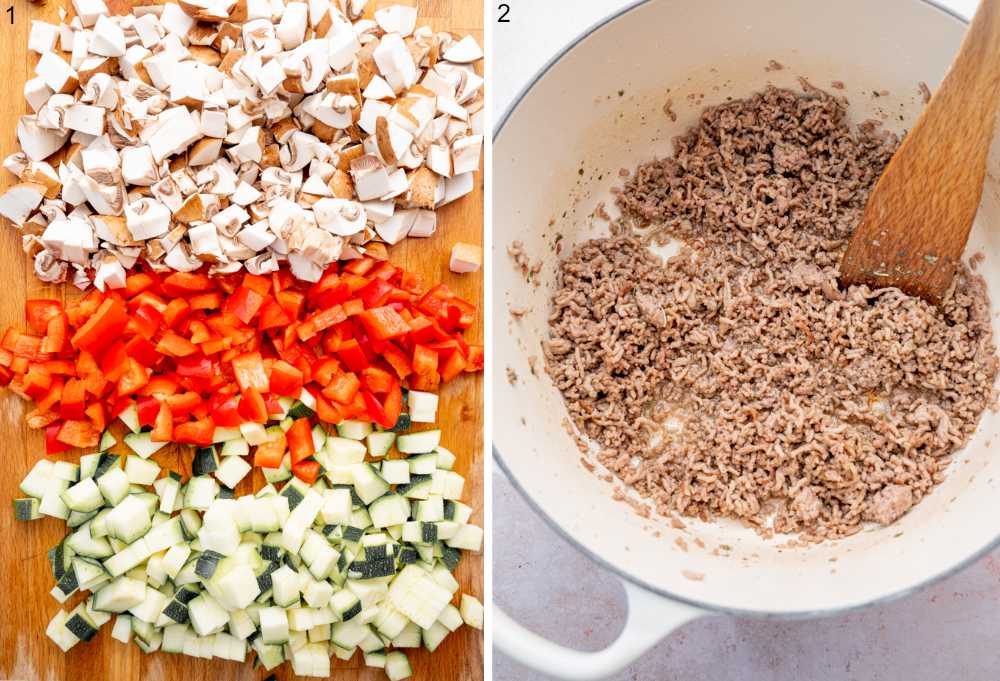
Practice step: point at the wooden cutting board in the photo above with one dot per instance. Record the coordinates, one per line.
(25, 579)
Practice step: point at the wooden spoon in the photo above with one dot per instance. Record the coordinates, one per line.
(917, 220)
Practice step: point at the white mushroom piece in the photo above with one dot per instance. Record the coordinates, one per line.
(244, 134)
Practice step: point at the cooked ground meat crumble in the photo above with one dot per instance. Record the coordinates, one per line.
(737, 379)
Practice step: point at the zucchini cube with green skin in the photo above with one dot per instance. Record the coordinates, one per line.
(397, 666)
(26, 509)
(273, 625)
(205, 461)
(207, 616)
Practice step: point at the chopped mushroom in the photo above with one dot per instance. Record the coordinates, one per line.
(245, 134)
(465, 258)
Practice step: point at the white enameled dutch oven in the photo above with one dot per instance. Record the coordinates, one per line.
(572, 116)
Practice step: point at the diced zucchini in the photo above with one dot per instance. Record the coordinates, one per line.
(418, 443)
(143, 444)
(354, 430)
(26, 509)
(205, 461)
(232, 470)
(130, 417)
(235, 447)
(422, 406)
(380, 443)
(141, 471)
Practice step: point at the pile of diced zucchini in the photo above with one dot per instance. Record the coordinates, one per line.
(362, 559)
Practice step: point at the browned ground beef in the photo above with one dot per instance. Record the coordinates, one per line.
(737, 379)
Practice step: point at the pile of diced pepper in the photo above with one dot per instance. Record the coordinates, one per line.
(194, 352)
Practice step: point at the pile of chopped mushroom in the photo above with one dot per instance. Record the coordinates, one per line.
(237, 133)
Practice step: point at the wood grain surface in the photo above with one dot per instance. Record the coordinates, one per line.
(25, 579)
(918, 217)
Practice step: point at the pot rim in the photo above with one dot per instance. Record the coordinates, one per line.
(621, 572)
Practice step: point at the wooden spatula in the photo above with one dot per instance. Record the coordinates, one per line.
(917, 220)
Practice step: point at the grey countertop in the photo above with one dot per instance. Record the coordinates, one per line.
(949, 631)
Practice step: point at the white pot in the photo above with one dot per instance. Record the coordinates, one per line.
(571, 116)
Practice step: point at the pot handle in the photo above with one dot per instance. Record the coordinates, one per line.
(650, 618)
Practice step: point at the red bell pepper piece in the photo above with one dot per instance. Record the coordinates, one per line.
(342, 388)
(300, 440)
(95, 412)
(163, 426)
(175, 345)
(53, 445)
(252, 407)
(133, 379)
(103, 328)
(376, 411)
(325, 369)
(180, 284)
(453, 366)
(39, 311)
(325, 411)
(182, 404)
(147, 320)
(224, 411)
(198, 433)
(351, 354)
(176, 312)
(37, 382)
(270, 453)
(137, 282)
(197, 366)
(260, 284)
(376, 380)
(79, 434)
(148, 409)
(142, 351)
(245, 303)
(250, 373)
(359, 266)
(273, 316)
(384, 323)
(375, 293)
(285, 379)
(72, 402)
(307, 471)
(476, 360)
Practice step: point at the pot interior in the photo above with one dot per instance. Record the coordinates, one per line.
(600, 108)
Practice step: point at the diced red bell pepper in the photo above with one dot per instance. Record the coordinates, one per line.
(224, 412)
(39, 311)
(270, 453)
(37, 420)
(103, 328)
(326, 411)
(198, 433)
(252, 407)
(285, 379)
(98, 418)
(292, 302)
(183, 404)
(176, 312)
(342, 388)
(163, 426)
(398, 360)
(52, 397)
(72, 403)
(300, 440)
(425, 369)
(377, 412)
(56, 333)
(137, 282)
(351, 354)
(79, 434)
(181, 284)
(195, 366)
(325, 369)
(206, 301)
(306, 471)
(476, 360)
(384, 323)
(359, 266)
(53, 445)
(245, 303)
(37, 382)
(142, 351)
(258, 283)
(133, 379)
(273, 316)
(453, 366)
(375, 293)
(148, 409)
(175, 345)
(376, 380)
(250, 373)
(147, 320)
